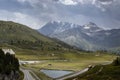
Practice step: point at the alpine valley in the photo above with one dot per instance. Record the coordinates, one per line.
(59, 40)
(36, 52)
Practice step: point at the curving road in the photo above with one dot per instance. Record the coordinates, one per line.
(28, 76)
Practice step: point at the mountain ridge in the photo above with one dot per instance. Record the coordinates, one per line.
(87, 37)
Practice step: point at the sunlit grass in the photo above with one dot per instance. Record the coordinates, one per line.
(74, 62)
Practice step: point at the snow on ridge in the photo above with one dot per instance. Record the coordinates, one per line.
(89, 34)
(107, 33)
(86, 27)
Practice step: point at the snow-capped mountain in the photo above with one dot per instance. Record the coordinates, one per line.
(55, 27)
(87, 37)
(91, 27)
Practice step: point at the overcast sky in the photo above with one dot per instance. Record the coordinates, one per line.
(36, 13)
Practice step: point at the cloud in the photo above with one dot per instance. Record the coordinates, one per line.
(36, 13)
(68, 2)
(103, 4)
(20, 18)
(21, 1)
(19, 15)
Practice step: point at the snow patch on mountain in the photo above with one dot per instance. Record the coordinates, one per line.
(89, 34)
(107, 33)
(86, 27)
(61, 26)
(91, 27)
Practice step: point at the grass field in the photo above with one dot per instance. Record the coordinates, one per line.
(61, 60)
(67, 61)
(73, 61)
(100, 72)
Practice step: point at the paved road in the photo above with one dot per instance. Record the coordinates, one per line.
(36, 77)
(27, 75)
(73, 75)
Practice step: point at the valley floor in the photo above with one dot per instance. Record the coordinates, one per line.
(74, 62)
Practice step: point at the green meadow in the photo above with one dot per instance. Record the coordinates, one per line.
(71, 61)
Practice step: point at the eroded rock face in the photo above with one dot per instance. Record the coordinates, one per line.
(12, 76)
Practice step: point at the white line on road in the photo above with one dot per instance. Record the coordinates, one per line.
(27, 75)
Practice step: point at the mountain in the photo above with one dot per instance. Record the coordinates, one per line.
(87, 37)
(21, 36)
(54, 27)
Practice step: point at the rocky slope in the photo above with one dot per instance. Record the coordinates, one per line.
(88, 36)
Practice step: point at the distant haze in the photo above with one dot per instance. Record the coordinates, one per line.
(36, 13)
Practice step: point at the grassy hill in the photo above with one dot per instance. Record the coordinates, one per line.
(101, 72)
(28, 43)
(14, 31)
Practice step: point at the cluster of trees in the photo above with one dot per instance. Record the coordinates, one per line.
(8, 63)
(116, 62)
(35, 45)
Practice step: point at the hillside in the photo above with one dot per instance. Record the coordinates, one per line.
(29, 42)
(15, 31)
(24, 37)
(101, 72)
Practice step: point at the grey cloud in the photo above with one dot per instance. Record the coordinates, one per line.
(42, 11)
(105, 0)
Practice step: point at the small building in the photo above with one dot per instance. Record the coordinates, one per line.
(8, 51)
